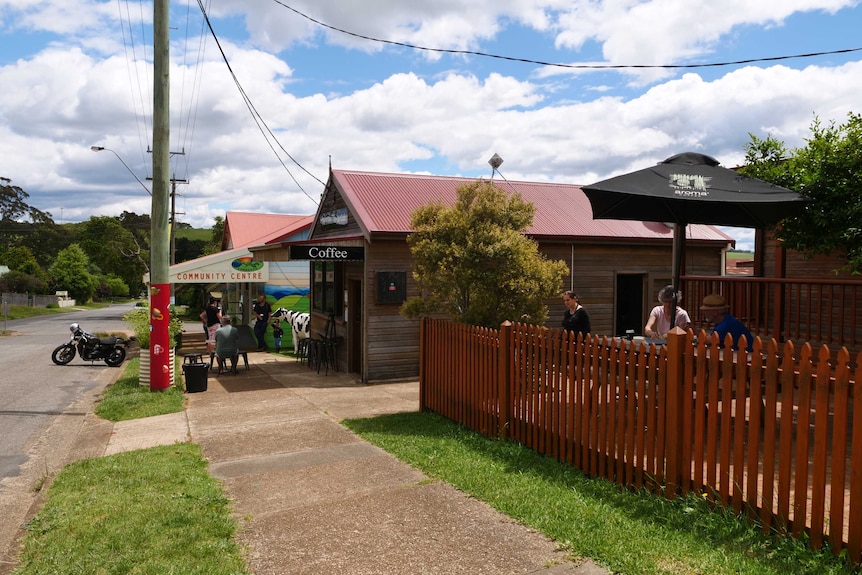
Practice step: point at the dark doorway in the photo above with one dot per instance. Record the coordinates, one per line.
(630, 303)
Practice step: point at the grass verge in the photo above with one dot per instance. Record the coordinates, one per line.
(632, 533)
(148, 512)
(127, 399)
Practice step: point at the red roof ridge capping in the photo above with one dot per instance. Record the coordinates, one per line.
(384, 201)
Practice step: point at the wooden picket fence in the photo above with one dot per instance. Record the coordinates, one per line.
(771, 433)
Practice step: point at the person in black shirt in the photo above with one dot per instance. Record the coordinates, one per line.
(262, 311)
(576, 318)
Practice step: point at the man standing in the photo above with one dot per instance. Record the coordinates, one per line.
(262, 311)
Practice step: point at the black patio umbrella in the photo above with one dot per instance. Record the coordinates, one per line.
(691, 188)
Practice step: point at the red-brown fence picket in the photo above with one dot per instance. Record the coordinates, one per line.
(771, 432)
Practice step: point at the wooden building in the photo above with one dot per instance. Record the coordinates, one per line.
(361, 266)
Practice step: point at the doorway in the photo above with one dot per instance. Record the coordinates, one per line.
(630, 303)
(354, 326)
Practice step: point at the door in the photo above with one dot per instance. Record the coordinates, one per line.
(630, 303)
(354, 326)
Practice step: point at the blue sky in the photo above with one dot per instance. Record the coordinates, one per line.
(78, 73)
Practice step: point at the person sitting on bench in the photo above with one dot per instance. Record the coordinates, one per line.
(227, 344)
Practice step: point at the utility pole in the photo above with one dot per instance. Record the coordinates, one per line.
(173, 218)
(160, 289)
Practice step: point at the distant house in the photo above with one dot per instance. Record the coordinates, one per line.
(361, 266)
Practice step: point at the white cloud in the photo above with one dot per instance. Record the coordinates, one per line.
(415, 116)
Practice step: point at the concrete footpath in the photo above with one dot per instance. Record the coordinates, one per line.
(309, 496)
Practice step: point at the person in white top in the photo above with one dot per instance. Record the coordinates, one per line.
(659, 321)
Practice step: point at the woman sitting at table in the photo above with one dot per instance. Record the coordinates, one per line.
(659, 321)
(715, 311)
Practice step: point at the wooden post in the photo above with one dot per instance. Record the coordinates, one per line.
(505, 358)
(673, 411)
(423, 358)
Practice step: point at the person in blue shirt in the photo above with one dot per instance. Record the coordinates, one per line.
(715, 310)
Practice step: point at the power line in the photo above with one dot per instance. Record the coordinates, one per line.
(558, 64)
(258, 119)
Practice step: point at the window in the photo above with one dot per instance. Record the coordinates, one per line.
(324, 287)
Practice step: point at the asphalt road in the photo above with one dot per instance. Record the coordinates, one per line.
(34, 391)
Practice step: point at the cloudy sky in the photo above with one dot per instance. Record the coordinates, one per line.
(567, 90)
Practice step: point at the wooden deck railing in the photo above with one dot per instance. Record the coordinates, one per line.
(816, 311)
(772, 433)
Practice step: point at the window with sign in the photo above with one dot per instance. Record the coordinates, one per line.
(324, 287)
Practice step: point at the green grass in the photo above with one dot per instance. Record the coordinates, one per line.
(632, 533)
(128, 399)
(147, 512)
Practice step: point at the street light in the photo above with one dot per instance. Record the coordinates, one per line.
(496, 161)
(100, 148)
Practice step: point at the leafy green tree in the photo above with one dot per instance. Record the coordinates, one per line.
(829, 171)
(114, 248)
(111, 286)
(47, 239)
(18, 219)
(69, 272)
(473, 262)
(19, 282)
(20, 258)
(188, 249)
(14, 206)
(215, 239)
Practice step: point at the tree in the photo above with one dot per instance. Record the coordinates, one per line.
(188, 249)
(214, 246)
(14, 206)
(18, 219)
(828, 170)
(69, 273)
(20, 282)
(105, 240)
(20, 258)
(473, 262)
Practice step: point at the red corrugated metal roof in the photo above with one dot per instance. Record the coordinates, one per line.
(243, 229)
(383, 203)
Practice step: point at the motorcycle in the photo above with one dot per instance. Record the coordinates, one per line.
(91, 348)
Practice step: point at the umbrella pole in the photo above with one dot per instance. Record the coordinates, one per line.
(678, 252)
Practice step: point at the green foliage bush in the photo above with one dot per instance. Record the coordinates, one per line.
(139, 321)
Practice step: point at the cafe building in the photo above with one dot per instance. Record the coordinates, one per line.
(360, 265)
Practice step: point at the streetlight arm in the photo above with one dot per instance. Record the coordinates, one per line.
(100, 148)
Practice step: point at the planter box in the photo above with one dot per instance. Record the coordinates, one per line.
(144, 378)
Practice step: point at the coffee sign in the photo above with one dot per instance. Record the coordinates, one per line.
(326, 253)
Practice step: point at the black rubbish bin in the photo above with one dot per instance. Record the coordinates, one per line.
(196, 376)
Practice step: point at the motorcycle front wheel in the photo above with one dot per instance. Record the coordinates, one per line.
(116, 357)
(63, 354)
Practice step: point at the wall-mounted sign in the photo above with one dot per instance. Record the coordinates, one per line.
(391, 287)
(334, 218)
(242, 269)
(326, 253)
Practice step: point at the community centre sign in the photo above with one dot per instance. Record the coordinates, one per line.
(242, 269)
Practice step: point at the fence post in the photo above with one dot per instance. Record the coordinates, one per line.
(505, 359)
(673, 411)
(423, 358)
